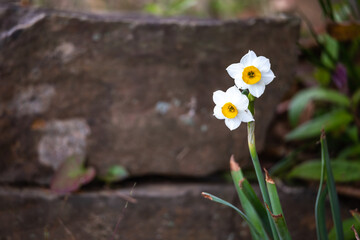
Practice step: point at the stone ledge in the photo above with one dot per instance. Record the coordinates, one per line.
(161, 211)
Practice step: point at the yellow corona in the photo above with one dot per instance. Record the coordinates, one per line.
(229, 110)
(251, 75)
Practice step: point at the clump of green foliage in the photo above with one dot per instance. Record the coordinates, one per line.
(336, 95)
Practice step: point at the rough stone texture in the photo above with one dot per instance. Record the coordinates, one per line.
(162, 211)
(141, 87)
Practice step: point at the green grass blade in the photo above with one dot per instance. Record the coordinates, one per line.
(256, 203)
(276, 207)
(334, 201)
(330, 10)
(280, 225)
(323, 8)
(219, 200)
(282, 167)
(258, 170)
(320, 219)
(273, 194)
(248, 208)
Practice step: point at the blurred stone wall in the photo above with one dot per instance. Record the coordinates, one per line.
(128, 90)
(131, 91)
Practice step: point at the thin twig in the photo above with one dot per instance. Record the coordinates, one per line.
(122, 213)
(67, 230)
(355, 232)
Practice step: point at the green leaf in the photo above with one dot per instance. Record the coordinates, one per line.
(323, 76)
(273, 194)
(256, 203)
(346, 225)
(356, 98)
(115, 173)
(249, 210)
(71, 175)
(352, 133)
(282, 229)
(334, 201)
(344, 171)
(301, 99)
(280, 225)
(330, 54)
(219, 200)
(282, 167)
(320, 219)
(329, 122)
(349, 152)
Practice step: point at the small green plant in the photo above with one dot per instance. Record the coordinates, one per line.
(265, 217)
(208, 8)
(336, 96)
(71, 175)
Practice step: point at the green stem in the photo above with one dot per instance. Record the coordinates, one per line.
(257, 167)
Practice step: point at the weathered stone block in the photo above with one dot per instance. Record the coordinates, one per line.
(161, 211)
(137, 90)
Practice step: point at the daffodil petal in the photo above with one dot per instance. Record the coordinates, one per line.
(235, 70)
(248, 58)
(233, 93)
(262, 63)
(233, 123)
(267, 77)
(218, 113)
(246, 116)
(219, 97)
(257, 89)
(241, 103)
(241, 84)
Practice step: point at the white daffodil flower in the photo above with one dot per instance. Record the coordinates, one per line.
(252, 73)
(232, 106)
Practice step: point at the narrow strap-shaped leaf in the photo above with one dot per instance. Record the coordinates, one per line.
(344, 171)
(256, 203)
(330, 10)
(257, 167)
(249, 210)
(323, 8)
(312, 128)
(276, 206)
(280, 225)
(299, 102)
(321, 230)
(219, 200)
(334, 201)
(320, 219)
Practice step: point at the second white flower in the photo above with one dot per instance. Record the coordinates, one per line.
(232, 106)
